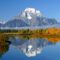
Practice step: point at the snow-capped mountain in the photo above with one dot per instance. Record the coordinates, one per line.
(30, 17)
(35, 18)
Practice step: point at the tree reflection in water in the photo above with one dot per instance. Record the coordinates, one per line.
(4, 44)
(29, 46)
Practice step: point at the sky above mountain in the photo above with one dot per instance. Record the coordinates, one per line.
(11, 8)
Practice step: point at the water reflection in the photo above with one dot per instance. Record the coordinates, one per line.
(4, 47)
(29, 46)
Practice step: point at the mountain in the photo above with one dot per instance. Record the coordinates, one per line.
(35, 18)
(42, 21)
(30, 17)
(0, 24)
(15, 23)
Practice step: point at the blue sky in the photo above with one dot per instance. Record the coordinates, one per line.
(11, 8)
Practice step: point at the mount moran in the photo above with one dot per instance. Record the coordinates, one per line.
(31, 17)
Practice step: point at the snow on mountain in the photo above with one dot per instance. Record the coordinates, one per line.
(34, 17)
(30, 12)
(30, 17)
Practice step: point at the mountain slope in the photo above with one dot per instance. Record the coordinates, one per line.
(1, 24)
(15, 23)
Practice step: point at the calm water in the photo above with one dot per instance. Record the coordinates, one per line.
(30, 49)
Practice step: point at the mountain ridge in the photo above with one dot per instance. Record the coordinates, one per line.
(30, 17)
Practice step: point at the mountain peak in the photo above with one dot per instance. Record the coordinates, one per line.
(30, 17)
(32, 10)
(29, 12)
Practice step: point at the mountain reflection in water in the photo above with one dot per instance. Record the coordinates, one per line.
(30, 46)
